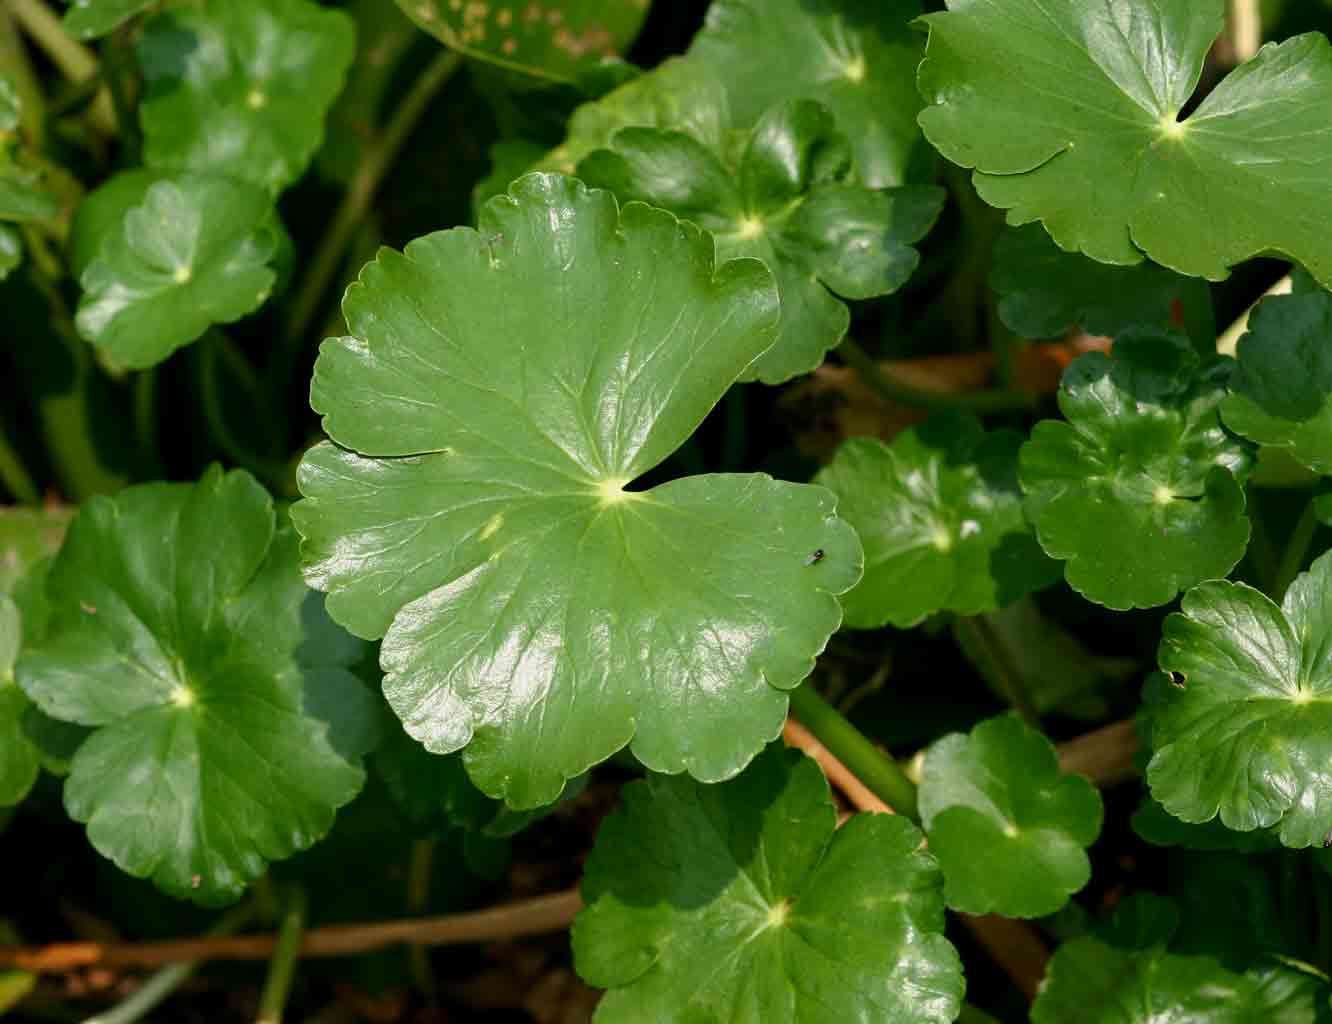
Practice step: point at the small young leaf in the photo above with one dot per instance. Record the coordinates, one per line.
(857, 59)
(940, 515)
(1045, 292)
(195, 253)
(499, 390)
(1281, 396)
(240, 87)
(739, 902)
(1244, 731)
(1124, 975)
(227, 729)
(789, 202)
(1008, 828)
(1069, 111)
(88, 19)
(555, 39)
(1140, 489)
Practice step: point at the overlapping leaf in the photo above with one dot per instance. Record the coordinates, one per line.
(240, 87)
(19, 763)
(553, 39)
(227, 729)
(790, 201)
(940, 515)
(1282, 392)
(88, 19)
(738, 902)
(1069, 111)
(1245, 732)
(196, 251)
(1140, 489)
(499, 390)
(22, 197)
(857, 59)
(1009, 829)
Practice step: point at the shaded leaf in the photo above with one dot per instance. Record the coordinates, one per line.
(88, 19)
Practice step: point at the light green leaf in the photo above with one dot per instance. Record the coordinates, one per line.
(1245, 731)
(1140, 489)
(1045, 292)
(196, 252)
(88, 19)
(498, 392)
(11, 250)
(227, 728)
(1124, 975)
(240, 87)
(740, 903)
(1069, 111)
(27, 535)
(1009, 829)
(19, 763)
(22, 197)
(555, 39)
(857, 59)
(1281, 395)
(940, 515)
(789, 201)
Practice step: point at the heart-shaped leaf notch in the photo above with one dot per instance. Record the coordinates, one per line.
(499, 391)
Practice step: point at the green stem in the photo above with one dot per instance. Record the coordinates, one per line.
(420, 869)
(1297, 549)
(282, 968)
(891, 390)
(849, 745)
(375, 163)
(145, 417)
(75, 61)
(159, 987)
(212, 347)
(14, 61)
(118, 61)
(15, 476)
(983, 634)
(1323, 906)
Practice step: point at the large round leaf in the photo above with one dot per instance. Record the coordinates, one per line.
(789, 201)
(241, 87)
(1009, 829)
(227, 729)
(1069, 111)
(858, 59)
(940, 515)
(1282, 392)
(738, 903)
(1244, 731)
(499, 391)
(196, 252)
(1140, 489)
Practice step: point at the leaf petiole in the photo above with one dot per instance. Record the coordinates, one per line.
(891, 389)
(282, 968)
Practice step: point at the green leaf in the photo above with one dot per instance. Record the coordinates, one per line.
(431, 790)
(196, 252)
(1245, 730)
(22, 197)
(227, 728)
(940, 515)
(1045, 292)
(1069, 113)
(498, 392)
(1281, 395)
(19, 763)
(11, 250)
(1140, 489)
(1009, 829)
(739, 902)
(1155, 825)
(88, 19)
(240, 87)
(858, 60)
(27, 535)
(555, 39)
(790, 202)
(1124, 975)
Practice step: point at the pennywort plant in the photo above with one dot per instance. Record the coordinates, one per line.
(782, 467)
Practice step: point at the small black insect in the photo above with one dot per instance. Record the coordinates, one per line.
(815, 558)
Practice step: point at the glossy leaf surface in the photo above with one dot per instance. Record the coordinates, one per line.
(499, 390)
(1282, 393)
(739, 902)
(1244, 733)
(1069, 112)
(227, 729)
(1140, 490)
(940, 515)
(241, 87)
(789, 201)
(1009, 829)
